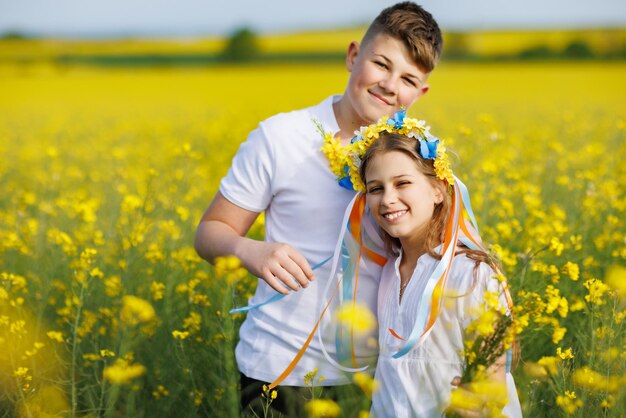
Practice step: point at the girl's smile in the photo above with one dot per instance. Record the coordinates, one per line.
(394, 216)
(401, 197)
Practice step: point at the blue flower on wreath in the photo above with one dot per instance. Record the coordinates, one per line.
(346, 181)
(428, 148)
(397, 120)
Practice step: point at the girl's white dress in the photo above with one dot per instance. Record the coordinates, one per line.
(418, 384)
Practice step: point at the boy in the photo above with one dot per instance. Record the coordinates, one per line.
(281, 170)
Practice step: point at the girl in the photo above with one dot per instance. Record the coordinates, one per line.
(410, 195)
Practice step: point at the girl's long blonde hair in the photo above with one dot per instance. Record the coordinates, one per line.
(388, 142)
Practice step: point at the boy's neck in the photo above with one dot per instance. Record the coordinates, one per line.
(347, 120)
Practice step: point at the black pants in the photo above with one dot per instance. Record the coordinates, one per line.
(289, 402)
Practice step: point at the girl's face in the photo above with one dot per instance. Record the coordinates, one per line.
(401, 198)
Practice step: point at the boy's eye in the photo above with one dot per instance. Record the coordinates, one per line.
(410, 82)
(381, 64)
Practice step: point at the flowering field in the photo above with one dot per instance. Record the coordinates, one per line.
(105, 309)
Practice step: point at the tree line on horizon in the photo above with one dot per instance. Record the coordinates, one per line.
(243, 47)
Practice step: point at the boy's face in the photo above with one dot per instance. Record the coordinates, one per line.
(383, 78)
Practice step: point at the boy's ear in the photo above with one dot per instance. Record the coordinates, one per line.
(353, 52)
(423, 90)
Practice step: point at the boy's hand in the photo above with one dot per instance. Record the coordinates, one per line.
(280, 265)
(222, 231)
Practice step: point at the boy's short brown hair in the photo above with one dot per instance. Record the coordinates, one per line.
(415, 27)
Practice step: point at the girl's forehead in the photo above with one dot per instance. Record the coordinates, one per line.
(395, 156)
(392, 163)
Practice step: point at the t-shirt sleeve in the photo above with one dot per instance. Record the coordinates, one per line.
(248, 183)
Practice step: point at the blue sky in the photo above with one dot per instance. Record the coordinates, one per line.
(217, 17)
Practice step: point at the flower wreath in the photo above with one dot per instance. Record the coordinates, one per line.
(345, 160)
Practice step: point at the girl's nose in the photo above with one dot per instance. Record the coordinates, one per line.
(389, 197)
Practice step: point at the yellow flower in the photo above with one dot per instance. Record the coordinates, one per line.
(55, 336)
(483, 395)
(609, 402)
(576, 304)
(519, 324)
(357, 317)
(161, 392)
(616, 278)
(198, 396)
(591, 380)
(565, 355)
(136, 311)
(366, 382)
(558, 334)
(322, 408)
(180, 335)
(555, 301)
(229, 268)
(309, 378)
(572, 270)
(157, 290)
(113, 286)
(556, 245)
(21, 372)
(484, 325)
(91, 356)
(122, 372)
(535, 370)
(46, 402)
(549, 363)
(106, 353)
(597, 290)
(568, 402)
(192, 323)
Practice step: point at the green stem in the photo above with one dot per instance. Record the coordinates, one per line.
(74, 394)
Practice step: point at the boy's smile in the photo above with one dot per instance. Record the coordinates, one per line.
(383, 78)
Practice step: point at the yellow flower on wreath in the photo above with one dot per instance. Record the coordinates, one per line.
(344, 161)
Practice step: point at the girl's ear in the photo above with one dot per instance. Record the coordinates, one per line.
(439, 192)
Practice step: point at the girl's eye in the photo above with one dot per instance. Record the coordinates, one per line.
(374, 190)
(403, 183)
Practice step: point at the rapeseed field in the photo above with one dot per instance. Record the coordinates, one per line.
(106, 310)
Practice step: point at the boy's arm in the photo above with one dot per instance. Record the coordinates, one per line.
(221, 232)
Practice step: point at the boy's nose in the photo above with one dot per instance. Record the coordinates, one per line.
(389, 85)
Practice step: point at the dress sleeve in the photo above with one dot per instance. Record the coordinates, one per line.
(482, 280)
(248, 183)
(486, 281)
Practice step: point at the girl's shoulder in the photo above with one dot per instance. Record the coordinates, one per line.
(466, 273)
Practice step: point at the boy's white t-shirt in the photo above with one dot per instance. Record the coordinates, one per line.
(418, 383)
(281, 170)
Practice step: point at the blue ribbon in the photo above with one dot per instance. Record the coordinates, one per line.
(467, 203)
(276, 297)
